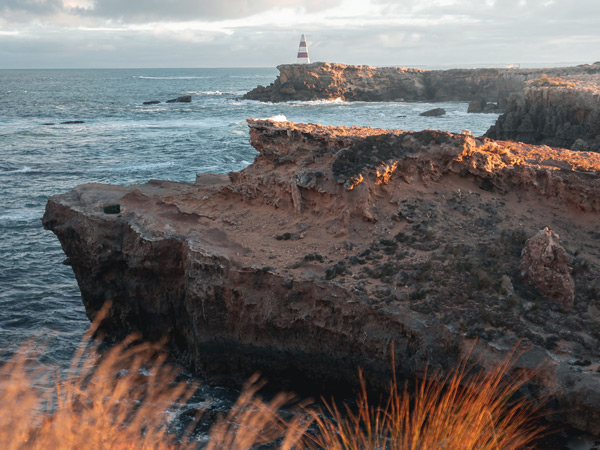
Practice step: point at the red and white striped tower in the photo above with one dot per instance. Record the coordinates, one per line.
(303, 52)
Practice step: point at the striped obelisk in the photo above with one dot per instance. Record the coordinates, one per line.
(303, 52)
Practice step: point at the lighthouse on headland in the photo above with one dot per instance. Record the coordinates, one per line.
(303, 52)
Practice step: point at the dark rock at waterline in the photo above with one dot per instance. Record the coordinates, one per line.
(152, 102)
(477, 105)
(182, 99)
(49, 123)
(72, 122)
(480, 105)
(435, 112)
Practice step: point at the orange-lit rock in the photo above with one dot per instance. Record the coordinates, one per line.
(280, 268)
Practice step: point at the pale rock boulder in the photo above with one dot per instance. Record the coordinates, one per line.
(544, 265)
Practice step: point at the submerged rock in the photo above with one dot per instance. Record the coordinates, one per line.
(153, 102)
(182, 99)
(337, 243)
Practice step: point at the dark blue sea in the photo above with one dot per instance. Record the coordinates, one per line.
(122, 141)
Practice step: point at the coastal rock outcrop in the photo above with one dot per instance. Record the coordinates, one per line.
(560, 112)
(327, 81)
(338, 242)
(435, 112)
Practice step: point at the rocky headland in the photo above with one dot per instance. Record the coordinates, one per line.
(327, 81)
(338, 242)
(556, 111)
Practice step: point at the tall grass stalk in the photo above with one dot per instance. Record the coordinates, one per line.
(461, 411)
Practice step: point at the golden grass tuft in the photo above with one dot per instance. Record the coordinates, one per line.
(119, 401)
(460, 411)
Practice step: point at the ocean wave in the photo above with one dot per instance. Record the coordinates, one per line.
(335, 101)
(25, 169)
(14, 218)
(173, 78)
(248, 77)
(142, 167)
(216, 92)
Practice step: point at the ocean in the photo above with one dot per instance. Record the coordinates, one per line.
(121, 141)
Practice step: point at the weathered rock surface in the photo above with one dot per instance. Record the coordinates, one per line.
(326, 81)
(560, 112)
(544, 264)
(337, 242)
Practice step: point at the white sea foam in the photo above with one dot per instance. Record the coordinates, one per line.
(277, 118)
(335, 101)
(216, 92)
(25, 169)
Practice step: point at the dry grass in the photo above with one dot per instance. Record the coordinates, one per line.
(119, 401)
(459, 412)
(545, 81)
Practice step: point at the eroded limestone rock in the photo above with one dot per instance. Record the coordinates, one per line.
(544, 264)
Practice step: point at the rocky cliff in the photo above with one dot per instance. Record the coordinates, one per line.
(561, 112)
(338, 242)
(325, 81)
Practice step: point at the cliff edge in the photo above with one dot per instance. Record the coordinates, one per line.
(560, 112)
(327, 81)
(338, 242)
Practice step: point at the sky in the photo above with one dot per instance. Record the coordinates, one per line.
(265, 33)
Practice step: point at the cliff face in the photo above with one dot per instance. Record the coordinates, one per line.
(337, 242)
(562, 112)
(326, 81)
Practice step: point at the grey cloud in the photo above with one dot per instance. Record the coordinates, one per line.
(151, 10)
(30, 7)
(548, 35)
(501, 9)
(140, 11)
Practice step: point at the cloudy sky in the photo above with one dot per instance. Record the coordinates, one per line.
(264, 33)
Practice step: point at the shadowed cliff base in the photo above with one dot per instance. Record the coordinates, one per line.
(337, 242)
